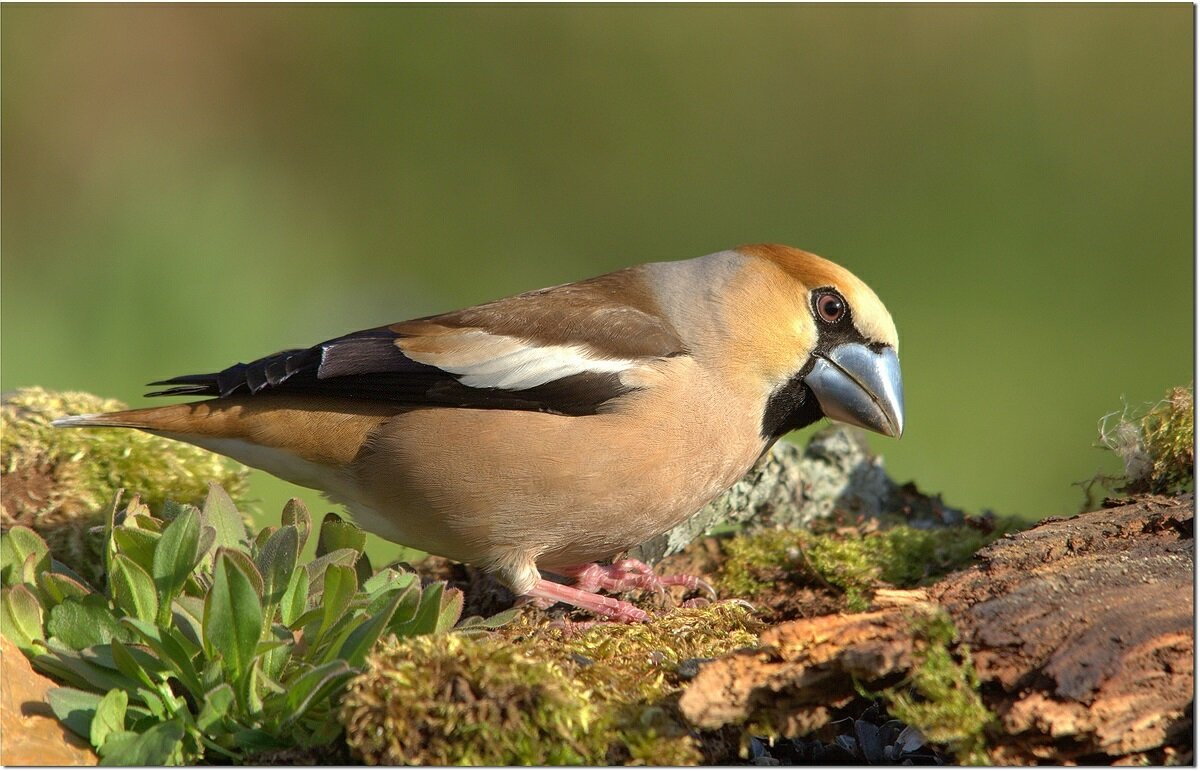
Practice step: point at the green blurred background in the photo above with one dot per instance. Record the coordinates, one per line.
(185, 187)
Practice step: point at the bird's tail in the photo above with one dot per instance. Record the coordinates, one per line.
(319, 430)
(172, 417)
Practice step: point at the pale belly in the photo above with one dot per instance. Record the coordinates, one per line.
(508, 487)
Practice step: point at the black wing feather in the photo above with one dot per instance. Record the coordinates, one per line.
(369, 365)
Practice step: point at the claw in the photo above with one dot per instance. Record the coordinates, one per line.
(609, 607)
(621, 576)
(629, 574)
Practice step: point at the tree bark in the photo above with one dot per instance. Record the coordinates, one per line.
(1080, 630)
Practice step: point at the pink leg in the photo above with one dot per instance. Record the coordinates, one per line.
(629, 574)
(610, 607)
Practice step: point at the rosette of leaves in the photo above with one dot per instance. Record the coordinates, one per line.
(207, 644)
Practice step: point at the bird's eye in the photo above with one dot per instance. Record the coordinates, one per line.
(831, 308)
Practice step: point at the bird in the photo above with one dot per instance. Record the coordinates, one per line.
(553, 430)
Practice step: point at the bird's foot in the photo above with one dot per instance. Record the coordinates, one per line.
(623, 575)
(609, 607)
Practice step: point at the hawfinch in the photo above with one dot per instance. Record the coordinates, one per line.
(559, 427)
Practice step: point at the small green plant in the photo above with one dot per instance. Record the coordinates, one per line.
(208, 644)
(940, 697)
(1157, 446)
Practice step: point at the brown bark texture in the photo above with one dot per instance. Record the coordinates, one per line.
(30, 734)
(1080, 631)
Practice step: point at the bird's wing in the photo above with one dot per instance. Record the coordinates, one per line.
(560, 350)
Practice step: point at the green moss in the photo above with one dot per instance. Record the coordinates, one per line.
(450, 699)
(536, 694)
(1168, 432)
(58, 481)
(1157, 448)
(940, 697)
(855, 563)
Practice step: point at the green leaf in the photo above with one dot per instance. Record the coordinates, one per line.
(410, 589)
(208, 537)
(217, 703)
(425, 621)
(309, 617)
(211, 676)
(326, 732)
(137, 545)
(221, 514)
(171, 510)
(109, 717)
(256, 740)
(158, 746)
(338, 534)
(119, 745)
(153, 703)
(74, 708)
(354, 650)
(340, 585)
(58, 568)
(133, 588)
(247, 567)
(102, 655)
(68, 665)
(248, 689)
(410, 605)
(175, 556)
(313, 686)
(172, 651)
(276, 562)
(295, 599)
(451, 610)
(110, 518)
(82, 624)
(186, 615)
(386, 580)
(57, 587)
(21, 618)
(232, 617)
(316, 568)
(126, 664)
(141, 519)
(363, 568)
(15, 547)
(273, 660)
(295, 513)
(491, 622)
(263, 536)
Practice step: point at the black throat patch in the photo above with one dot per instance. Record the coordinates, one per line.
(793, 405)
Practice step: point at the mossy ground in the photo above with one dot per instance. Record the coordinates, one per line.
(59, 481)
(940, 697)
(540, 693)
(847, 561)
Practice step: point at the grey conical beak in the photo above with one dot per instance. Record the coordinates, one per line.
(861, 387)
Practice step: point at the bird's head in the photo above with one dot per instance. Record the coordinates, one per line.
(817, 337)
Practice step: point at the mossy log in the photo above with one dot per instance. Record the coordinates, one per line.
(1079, 634)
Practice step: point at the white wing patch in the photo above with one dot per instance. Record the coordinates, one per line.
(483, 360)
